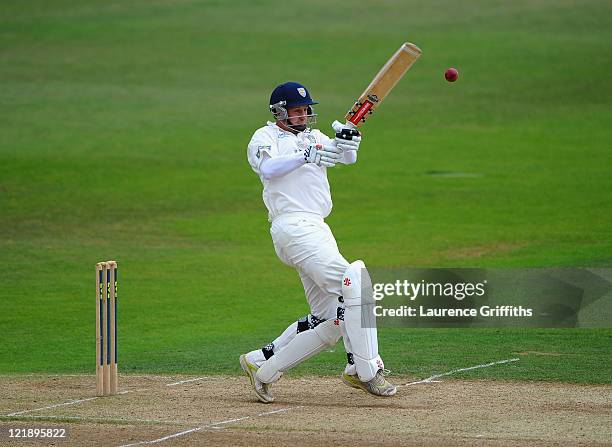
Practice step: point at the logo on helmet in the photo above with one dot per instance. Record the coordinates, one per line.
(302, 91)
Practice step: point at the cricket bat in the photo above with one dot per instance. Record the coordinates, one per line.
(382, 84)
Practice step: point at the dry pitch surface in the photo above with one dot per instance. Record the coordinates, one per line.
(308, 411)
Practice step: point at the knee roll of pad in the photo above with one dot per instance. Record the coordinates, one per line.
(329, 331)
(357, 285)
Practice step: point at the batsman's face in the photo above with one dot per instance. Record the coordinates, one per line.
(297, 115)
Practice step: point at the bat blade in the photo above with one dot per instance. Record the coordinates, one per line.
(383, 83)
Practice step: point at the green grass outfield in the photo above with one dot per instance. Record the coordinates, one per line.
(123, 132)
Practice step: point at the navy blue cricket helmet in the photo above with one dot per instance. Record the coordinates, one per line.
(290, 94)
(293, 94)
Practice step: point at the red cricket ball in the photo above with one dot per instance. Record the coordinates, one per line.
(451, 74)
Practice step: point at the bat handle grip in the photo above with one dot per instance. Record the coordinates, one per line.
(348, 134)
(345, 131)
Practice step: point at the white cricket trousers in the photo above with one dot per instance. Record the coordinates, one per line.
(305, 242)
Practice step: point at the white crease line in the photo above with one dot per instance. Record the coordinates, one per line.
(421, 381)
(186, 381)
(86, 419)
(454, 371)
(214, 425)
(229, 421)
(176, 435)
(64, 404)
(72, 402)
(282, 410)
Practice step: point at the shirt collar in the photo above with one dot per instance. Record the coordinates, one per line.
(279, 129)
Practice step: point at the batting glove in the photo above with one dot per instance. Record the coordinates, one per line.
(322, 155)
(347, 138)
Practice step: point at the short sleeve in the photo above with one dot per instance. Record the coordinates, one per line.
(260, 143)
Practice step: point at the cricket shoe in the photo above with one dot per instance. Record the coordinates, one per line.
(378, 386)
(261, 389)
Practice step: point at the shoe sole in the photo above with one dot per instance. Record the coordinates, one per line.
(349, 383)
(245, 367)
(364, 388)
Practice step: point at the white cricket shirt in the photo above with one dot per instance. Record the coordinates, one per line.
(305, 189)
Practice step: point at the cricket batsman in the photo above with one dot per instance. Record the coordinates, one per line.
(291, 158)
